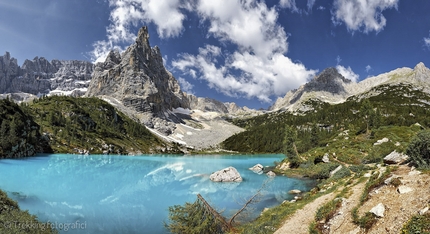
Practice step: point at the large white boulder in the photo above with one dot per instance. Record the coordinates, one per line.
(229, 174)
(395, 158)
(378, 210)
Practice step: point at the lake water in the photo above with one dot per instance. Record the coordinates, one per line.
(125, 194)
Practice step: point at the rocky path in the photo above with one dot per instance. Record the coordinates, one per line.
(342, 222)
(400, 203)
(299, 222)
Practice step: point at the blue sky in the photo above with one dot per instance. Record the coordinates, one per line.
(246, 51)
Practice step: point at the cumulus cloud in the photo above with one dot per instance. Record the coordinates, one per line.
(185, 85)
(289, 4)
(126, 13)
(362, 15)
(347, 73)
(258, 68)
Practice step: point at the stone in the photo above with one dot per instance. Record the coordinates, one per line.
(404, 189)
(325, 158)
(258, 168)
(284, 166)
(423, 211)
(229, 174)
(378, 210)
(295, 191)
(335, 170)
(271, 174)
(395, 158)
(383, 140)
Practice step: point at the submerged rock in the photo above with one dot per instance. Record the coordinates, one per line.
(229, 174)
(271, 174)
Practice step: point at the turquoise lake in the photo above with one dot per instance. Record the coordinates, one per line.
(131, 194)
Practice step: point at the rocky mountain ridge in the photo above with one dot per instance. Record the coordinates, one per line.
(330, 86)
(40, 77)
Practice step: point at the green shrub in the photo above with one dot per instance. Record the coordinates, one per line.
(419, 149)
(342, 173)
(417, 224)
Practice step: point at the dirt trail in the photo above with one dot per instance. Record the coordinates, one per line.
(299, 222)
(342, 222)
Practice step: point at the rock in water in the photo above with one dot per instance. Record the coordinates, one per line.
(258, 168)
(229, 174)
(271, 174)
(395, 158)
(378, 210)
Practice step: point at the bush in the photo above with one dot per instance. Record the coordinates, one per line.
(419, 149)
(417, 224)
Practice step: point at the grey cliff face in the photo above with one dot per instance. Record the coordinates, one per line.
(139, 80)
(206, 104)
(39, 76)
(329, 80)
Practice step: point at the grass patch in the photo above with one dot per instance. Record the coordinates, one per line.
(417, 224)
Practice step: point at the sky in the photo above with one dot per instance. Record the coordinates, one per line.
(245, 51)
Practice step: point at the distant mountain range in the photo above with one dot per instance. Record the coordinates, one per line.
(331, 87)
(137, 83)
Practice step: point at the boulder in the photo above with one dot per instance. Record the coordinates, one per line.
(294, 191)
(395, 158)
(378, 210)
(258, 168)
(423, 211)
(383, 140)
(284, 166)
(271, 174)
(404, 189)
(325, 158)
(229, 174)
(335, 170)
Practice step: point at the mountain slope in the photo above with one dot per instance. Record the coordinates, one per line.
(331, 87)
(91, 125)
(19, 133)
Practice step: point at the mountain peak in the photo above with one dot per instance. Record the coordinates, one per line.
(143, 37)
(329, 75)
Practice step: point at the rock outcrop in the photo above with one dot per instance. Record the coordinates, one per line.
(41, 77)
(229, 174)
(395, 158)
(139, 80)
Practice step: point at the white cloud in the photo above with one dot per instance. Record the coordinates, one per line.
(310, 5)
(186, 86)
(362, 15)
(126, 13)
(258, 68)
(427, 42)
(347, 73)
(289, 4)
(321, 8)
(368, 68)
(338, 60)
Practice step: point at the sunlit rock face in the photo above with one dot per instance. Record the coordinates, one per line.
(41, 77)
